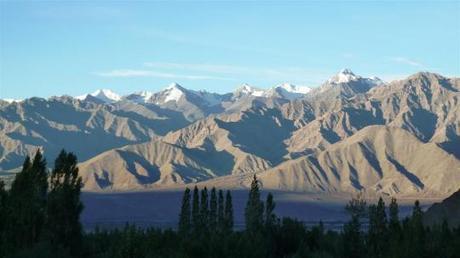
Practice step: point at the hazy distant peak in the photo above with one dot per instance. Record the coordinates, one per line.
(345, 75)
(294, 88)
(246, 89)
(105, 95)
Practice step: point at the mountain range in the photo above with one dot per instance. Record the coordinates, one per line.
(350, 134)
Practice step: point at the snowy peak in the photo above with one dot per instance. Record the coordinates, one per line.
(294, 88)
(104, 95)
(344, 76)
(246, 89)
(173, 92)
(139, 97)
(287, 91)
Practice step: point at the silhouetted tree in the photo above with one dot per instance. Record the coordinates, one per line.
(416, 236)
(353, 239)
(3, 218)
(270, 217)
(27, 204)
(228, 212)
(196, 210)
(204, 210)
(64, 205)
(185, 213)
(254, 210)
(377, 233)
(220, 211)
(213, 210)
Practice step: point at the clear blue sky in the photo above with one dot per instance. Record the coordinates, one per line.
(54, 48)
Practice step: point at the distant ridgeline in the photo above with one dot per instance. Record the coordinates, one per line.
(39, 217)
(350, 134)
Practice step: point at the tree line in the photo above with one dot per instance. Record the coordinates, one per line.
(40, 213)
(39, 217)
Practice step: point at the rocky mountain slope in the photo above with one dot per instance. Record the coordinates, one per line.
(350, 134)
(448, 209)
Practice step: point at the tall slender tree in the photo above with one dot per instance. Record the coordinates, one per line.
(28, 203)
(394, 229)
(353, 239)
(204, 209)
(213, 210)
(254, 210)
(185, 213)
(64, 205)
(3, 218)
(270, 217)
(228, 212)
(196, 210)
(377, 233)
(220, 211)
(417, 235)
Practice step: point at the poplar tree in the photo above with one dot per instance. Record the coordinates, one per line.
(270, 217)
(254, 210)
(220, 211)
(213, 210)
(196, 210)
(204, 209)
(27, 204)
(3, 217)
(377, 234)
(228, 212)
(353, 242)
(185, 213)
(64, 205)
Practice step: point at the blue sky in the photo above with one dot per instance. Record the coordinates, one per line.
(54, 48)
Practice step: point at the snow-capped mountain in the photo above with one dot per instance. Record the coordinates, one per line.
(346, 76)
(139, 97)
(287, 91)
(348, 136)
(104, 95)
(345, 84)
(247, 90)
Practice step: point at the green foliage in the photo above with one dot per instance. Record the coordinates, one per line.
(64, 205)
(27, 204)
(228, 212)
(213, 210)
(185, 213)
(204, 210)
(58, 233)
(254, 210)
(377, 233)
(353, 238)
(220, 212)
(196, 210)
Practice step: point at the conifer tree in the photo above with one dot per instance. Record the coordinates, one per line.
(40, 190)
(220, 211)
(394, 229)
(64, 205)
(270, 217)
(185, 213)
(228, 212)
(204, 209)
(254, 210)
(377, 234)
(213, 210)
(28, 203)
(3, 218)
(394, 225)
(196, 210)
(417, 238)
(352, 236)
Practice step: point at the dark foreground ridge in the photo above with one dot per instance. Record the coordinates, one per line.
(40, 217)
